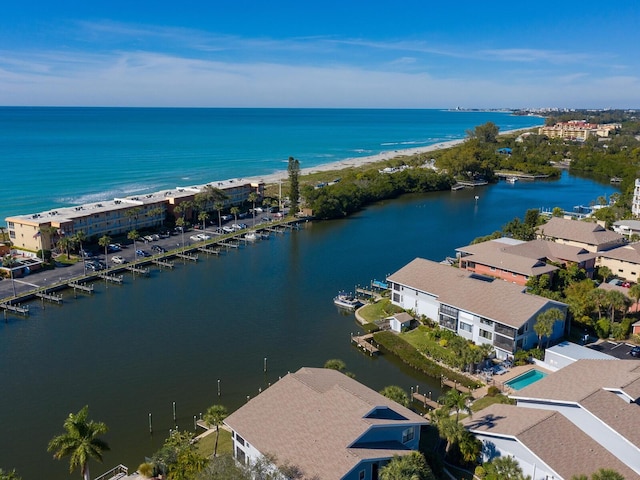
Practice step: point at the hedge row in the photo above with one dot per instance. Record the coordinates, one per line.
(412, 357)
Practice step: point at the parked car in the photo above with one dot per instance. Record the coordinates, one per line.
(635, 352)
(142, 253)
(228, 229)
(159, 249)
(112, 247)
(117, 259)
(226, 218)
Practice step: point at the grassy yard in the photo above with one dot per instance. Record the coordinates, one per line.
(379, 310)
(207, 444)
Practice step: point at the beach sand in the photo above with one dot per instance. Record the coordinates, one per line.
(361, 161)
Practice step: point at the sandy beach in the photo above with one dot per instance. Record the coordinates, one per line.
(360, 161)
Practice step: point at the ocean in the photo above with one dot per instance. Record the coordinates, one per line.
(59, 156)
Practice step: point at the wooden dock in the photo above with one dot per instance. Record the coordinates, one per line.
(134, 269)
(188, 256)
(425, 401)
(80, 286)
(228, 244)
(455, 385)
(111, 278)
(20, 309)
(49, 297)
(209, 251)
(163, 263)
(365, 342)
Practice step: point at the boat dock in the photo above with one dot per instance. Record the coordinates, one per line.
(188, 256)
(80, 286)
(50, 297)
(425, 401)
(163, 263)
(20, 309)
(209, 251)
(455, 385)
(111, 278)
(365, 342)
(134, 269)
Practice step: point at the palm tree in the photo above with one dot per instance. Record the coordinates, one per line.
(455, 400)
(80, 441)
(133, 235)
(253, 196)
(604, 272)
(219, 205)
(12, 475)
(545, 322)
(203, 217)
(599, 298)
(78, 238)
(104, 242)
(469, 446)
(397, 394)
(634, 291)
(412, 466)
(450, 430)
(65, 244)
(214, 416)
(235, 211)
(617, 301)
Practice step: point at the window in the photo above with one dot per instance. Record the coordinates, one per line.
(397, 298)
(408, 434)
(485, 334)
(11, 224)
(362, 475)
(486, 321)
(493, 269)
(241, 456)
(239, 439)
(466, 327)
(12, 234)
(513, 274)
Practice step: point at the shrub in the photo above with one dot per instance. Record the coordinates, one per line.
(603, 328)
(621, 330)
(492, 391)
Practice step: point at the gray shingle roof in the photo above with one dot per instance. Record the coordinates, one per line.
(311, 419)
(550, 436)
(588, 233)
(497, 300)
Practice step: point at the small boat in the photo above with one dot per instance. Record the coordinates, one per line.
(251, 236)
(348, 301)
(512, 179)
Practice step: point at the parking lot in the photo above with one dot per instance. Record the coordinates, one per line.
(615, 349)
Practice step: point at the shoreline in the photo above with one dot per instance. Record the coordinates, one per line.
(356, 162)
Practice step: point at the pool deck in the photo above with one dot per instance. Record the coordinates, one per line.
(500, 380)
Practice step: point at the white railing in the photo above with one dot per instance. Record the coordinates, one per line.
(115, 473)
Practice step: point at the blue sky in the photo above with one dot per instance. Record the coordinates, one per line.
(305, 53)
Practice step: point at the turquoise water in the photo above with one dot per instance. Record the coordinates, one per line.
(55, 157)
(526, 379)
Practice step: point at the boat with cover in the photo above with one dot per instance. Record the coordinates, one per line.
(347, 300)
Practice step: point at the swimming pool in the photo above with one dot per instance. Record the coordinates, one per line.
(525, 379)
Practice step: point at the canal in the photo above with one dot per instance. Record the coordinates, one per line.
(134, 349)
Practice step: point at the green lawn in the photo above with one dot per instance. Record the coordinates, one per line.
(206, 444)
(379, 310)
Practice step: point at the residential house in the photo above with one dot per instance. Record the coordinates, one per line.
(575, 421)
(588, 235)
(628, 228)
(325, 423)
(517, 261)
(624, 261)
(479, 308)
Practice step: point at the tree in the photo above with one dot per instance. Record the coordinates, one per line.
(214, 416)
(634, 292)
(617, 301)
(179, 457)
(407, 467)
(12, 475)
(545, 322)
(104, 242)
(253, 196)
(294, 184)
(469, 446)
(449, 430)
(79, 237)
(65, 244)
(455, 400)
(235, 211)
(133, 235)
(80, 441)
(504, 468)
(335, 364)
(219, 206)
(397, 394)
(604, 272)
(487, 133)
(203, 217)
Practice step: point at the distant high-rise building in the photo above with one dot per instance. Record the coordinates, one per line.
(635, 205)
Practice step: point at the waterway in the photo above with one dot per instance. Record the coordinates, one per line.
(134, 349)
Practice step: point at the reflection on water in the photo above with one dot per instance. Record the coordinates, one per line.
(131, 350)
